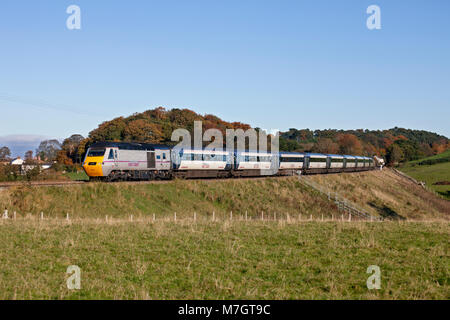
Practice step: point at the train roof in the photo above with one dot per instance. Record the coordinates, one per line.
(317, 154)
(292, 153)
(335, 155)
(129, 145)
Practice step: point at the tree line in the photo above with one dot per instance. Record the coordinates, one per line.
(156, 126)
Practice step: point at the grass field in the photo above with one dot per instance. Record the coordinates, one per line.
(223, 260)
(283, 257)
(431, 173)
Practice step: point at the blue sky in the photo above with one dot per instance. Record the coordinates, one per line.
(272, 64)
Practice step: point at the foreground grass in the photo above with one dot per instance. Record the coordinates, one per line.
(223, 260)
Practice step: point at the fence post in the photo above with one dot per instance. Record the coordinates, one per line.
(322, 216)
(245, 215)
(231, 215)
(214, 216)
(154, 217)
(131, 218)
(275, 216)
(42, 215)
(195, 216)
(175, 216)
(67, 216)
(262, 215)
(349, 217)
(14, 215)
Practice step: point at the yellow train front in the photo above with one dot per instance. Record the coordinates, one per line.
(115, 161)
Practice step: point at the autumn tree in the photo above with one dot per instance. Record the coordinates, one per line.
(142, 131)
(349, 144)
(326, 145)
(70, 147)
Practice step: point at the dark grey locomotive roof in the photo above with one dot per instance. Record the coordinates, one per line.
(129, 146)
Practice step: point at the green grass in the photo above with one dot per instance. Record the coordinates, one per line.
(78, 176)
(223, 260)
(431, 174)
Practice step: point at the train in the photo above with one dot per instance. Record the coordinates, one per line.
(123, 161)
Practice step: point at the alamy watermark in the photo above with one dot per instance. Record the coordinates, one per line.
(74, 280)
(73, 22)
(249, 146)
(374, 281)
(374, 20)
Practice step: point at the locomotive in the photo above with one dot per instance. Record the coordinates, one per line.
(120, 161)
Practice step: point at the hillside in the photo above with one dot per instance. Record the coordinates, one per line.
(434, 171)
(157, 125)
(379, 192)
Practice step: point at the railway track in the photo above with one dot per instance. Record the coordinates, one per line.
(62, 183)
(39, 183)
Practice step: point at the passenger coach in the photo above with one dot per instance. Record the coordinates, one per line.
(117, 161)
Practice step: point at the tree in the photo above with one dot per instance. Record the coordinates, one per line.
(62, 158)
(48, 149)
(70, 147)
(28, 156)
(326, 145)
(349, 144)
(143, 131)
(394, 154)
(5, 153)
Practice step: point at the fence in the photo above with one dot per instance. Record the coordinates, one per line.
(343, 204)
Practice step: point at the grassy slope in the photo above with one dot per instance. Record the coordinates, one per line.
(386, 193)
(281, 195)
(431, 173)
(223, 260)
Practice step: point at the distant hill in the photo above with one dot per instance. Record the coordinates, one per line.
(397, 144)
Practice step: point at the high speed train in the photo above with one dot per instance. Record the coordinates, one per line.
(119, 161)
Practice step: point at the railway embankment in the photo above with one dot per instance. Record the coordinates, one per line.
(379, 193)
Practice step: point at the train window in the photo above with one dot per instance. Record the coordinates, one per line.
(291, 159)
(208, 157)
(111, 155)
(247, 159)
(187, 156)
(337, 160)
(158, 157)
(318, 160)
(198, 157)
(96, 153)
(224, 158)
(164, 156)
